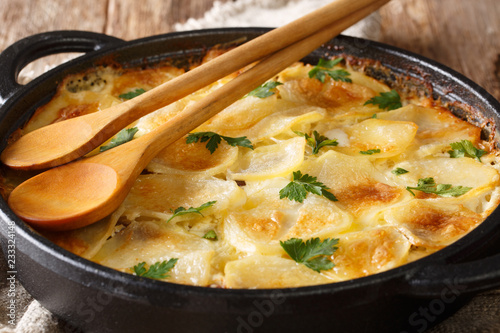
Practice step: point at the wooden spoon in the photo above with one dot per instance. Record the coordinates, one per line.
(65, 141)
(83, 192)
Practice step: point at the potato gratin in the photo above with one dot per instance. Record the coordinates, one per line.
(321, 175)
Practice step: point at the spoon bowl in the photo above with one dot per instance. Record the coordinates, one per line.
(62, 142)
(92, 186)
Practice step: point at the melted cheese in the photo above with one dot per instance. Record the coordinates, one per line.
(150, 242)
(270, 161)
(437, 128)
(164, 193)
(267, 220)
(430, 224)
(356, 183)
(335, 96)
(380, 225)
(368, 252)
(258, 271)
(390, 137)
(193, 160)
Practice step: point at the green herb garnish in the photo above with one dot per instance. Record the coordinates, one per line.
(158, 270)
(132, 94)
(211, 235)
(301, 184)
(465, 148)
(370, 151)
(197, 210)
(313, 253)
(265, 90)
(428, 185)
(386, 100)
(318, 141)
(399, 171)
(124, 136)
(322, 69)
(215, 139)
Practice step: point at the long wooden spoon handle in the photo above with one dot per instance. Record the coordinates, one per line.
(224, 96)
(240, 57)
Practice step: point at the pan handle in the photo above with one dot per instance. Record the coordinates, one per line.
(442, 280)
(14, 58)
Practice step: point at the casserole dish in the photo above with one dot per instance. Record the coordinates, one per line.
(93, 298)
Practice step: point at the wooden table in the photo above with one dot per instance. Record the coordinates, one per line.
(463, 34)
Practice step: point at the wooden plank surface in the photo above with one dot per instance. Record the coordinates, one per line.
(463, 34)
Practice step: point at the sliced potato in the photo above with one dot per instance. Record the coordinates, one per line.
(165, 193)
(86, 241)
(243, 114)
(193, 159)
(319, 217)
(437, 128)
(431, 224)
(151, 242)
(355, 182)
(368, 252)
(267, 220)
(271, 161)
(335, 96)
(456, 171)
(282, 123)
(269, 272)
(389, 137)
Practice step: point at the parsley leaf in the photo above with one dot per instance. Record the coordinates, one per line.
(132, 94)
(265, 90)
(124, 136)
(158, 270)
(319, 141)
(183, 211)
(313, 253)
(386, 100)
(370, 152)
(215, 139)
(322, 69)
(399, 171)
(210, 235)
(301, 184)
(465, 148)
(428, 185)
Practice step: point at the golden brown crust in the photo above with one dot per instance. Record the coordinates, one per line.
(191, 157)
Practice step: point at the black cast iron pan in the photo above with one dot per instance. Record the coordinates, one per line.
(92, 298)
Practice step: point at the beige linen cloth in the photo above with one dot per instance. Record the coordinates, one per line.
(482, 314)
